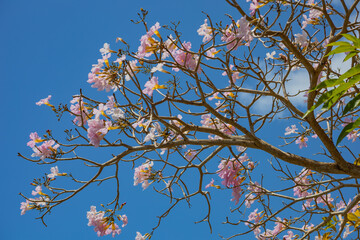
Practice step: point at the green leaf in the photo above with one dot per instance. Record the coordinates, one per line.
(339, 43)
(333, 95)
(350, 55)
(333, 82)
(352, 105)
(351, 72)
(342, 49)
(327, 83)
(331, 101)
(354, 39)
(323, 98)
(352, 217)
(337, 93)
(347, 129)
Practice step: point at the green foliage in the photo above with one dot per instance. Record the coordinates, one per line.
(341, 85)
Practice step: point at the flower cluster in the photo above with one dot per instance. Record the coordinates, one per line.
(238, 34)
(142, 174)
(215, 123)
(45, 150)
(104, 225)
(35, 203)
(230, 171)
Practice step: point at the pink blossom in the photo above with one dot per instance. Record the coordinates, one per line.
(37, 191)
(34, 139)
(170, 47)
(139, 236)
(215, 96)
(102, 78)
(205, 31)
(131, 69)
(151, 85)
(159, 68)
(206, 120)
(100, 111)
(254, 216)
(210, 184)
(105, 50)
(253, 6)
(186, 59)
(291, 130)
(45, 150)
(279, 227)
(237, 193)
(313, 18)
(124, 219)
(238, 35)
(211, 53)
(142, 174)
(301, 39)
(140, 123)
(25, 206)
(270, 55)
(97, 130)
(234, 74)
(101, 224)
(324, 199)
(353, 135)
(230, 170)
(190, 154)
(301, 182)
(78, 109)
(302, 142)
(55, 172)
(151, 135)
(113, 229)
(44, 101)
(289, 236)
(110, 104)
(147, 43)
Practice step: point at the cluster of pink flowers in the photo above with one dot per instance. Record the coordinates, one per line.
(215, 123)
(46, 149)
(255, 191)
(302, 182)
(291, 130)
(230, 171)
(186, 58)
(302, 141)
(98, 128)
(314, 15)
(237, 35)
(235, 75)
(253, 6)
(151, 85)
(206, 31)
(102, 75)
(78, 109)
(99, 77)
(302, 39)
(147, 43)
(32, 203)
(142, 174)
(103, 225)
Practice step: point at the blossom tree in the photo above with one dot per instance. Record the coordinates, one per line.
(170, 108)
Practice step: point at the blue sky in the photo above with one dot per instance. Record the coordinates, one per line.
(48, 48)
